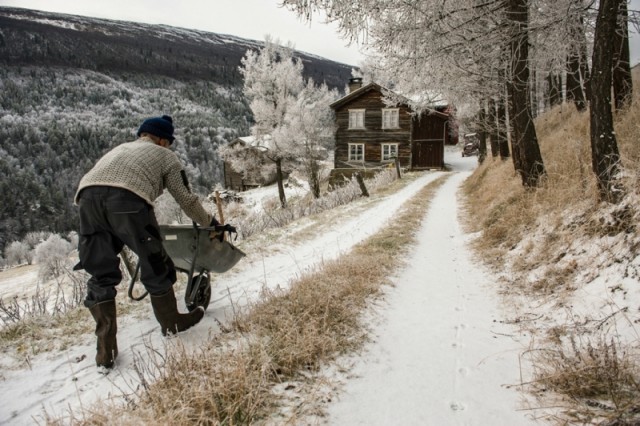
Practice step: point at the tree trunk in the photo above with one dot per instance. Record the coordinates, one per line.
(525, 141)
(313, 174)
(482, 134)
(501, 133)
(622, 85)
(574, 84)
(575, 79)
(584, 61)
(553, 82)
(533, 95)
(280, 179)
(492, 126)
(605, 158)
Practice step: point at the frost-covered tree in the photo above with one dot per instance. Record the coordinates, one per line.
(293, 121)
(272, 82)
(17, 253)
(32, 239)
(311, 125)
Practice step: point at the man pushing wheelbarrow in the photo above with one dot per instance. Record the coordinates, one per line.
(115, 200)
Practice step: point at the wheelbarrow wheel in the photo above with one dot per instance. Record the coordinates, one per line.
(203, 293)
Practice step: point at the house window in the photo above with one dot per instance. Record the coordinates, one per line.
(390, 118)
(389, 151)
(356, 119)
(356, 152)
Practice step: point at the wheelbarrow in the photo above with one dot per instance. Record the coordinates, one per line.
(193, 252)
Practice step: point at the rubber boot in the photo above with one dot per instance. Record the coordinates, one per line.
(104, 313)
(166, 311)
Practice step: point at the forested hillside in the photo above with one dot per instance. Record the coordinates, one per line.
(72, 87)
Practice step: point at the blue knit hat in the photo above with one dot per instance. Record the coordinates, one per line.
(161, 127)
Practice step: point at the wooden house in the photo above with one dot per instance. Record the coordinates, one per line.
(371, 134)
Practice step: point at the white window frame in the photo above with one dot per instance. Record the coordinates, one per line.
(356, 118)
(353, 154)
(392, 151)
(391, 118)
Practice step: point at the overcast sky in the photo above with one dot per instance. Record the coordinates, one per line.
(252, 19)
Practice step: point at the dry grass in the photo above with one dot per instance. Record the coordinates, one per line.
(543, 241)
(52, 318)
(232, 378)
(601, 379)
(564, 208)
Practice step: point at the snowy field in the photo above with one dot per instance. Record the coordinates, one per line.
(441, 353)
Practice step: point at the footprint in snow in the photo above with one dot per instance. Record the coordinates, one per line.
(457, 406)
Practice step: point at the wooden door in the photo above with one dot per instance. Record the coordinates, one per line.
(427, 154)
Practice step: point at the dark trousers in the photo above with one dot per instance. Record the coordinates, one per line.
(111, 218)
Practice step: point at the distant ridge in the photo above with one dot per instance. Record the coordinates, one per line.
(31, 37)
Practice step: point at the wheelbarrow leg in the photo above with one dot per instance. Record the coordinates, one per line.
(198, 292)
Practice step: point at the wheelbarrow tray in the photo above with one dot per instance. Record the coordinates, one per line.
(191, 249)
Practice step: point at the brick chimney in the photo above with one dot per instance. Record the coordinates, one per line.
(355, 83)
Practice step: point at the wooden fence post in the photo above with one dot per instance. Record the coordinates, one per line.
(219, 205)
(363, 187)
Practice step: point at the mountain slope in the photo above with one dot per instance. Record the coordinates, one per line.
(72, 87)
(30, 37)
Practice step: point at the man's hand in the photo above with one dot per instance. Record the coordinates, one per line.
(220, 230)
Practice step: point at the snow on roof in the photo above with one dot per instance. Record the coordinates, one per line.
(263, 143)
(426, 99)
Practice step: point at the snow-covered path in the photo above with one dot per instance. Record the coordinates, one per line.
(441, 354)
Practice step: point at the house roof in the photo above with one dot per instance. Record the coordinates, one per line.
(376, 87)
(356, 94)
(263, 144)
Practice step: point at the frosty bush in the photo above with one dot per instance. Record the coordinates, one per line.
(72, 237)
(272, 216)
(52, 255)
(167, 210)
(32, 239)
(17, 253)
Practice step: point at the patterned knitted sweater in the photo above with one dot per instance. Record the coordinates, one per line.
(146, 169)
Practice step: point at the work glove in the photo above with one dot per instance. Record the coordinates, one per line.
(221, 229)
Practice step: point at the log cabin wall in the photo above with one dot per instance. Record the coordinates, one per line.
(373, 135)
